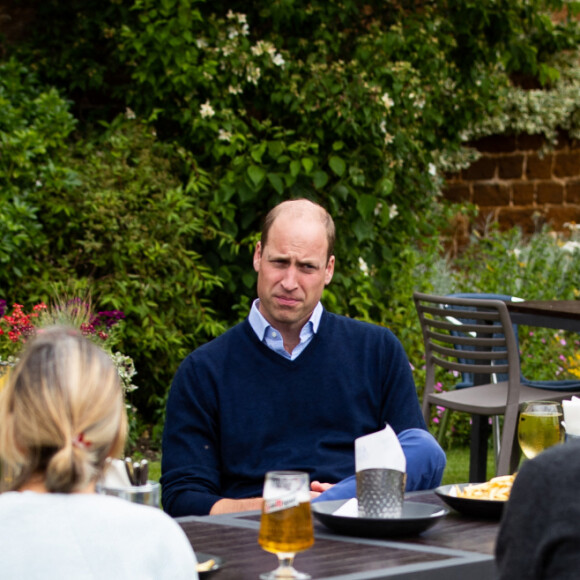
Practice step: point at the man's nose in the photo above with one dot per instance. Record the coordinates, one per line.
(290, 280)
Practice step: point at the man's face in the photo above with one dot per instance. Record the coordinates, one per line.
(292, 270)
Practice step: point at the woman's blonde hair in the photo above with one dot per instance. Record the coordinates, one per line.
(62, 413)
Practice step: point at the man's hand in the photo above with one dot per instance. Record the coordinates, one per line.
(229, 506)
(317, 488)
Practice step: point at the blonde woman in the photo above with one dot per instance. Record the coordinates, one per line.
(62, 415)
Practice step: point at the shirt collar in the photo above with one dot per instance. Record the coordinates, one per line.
(260, 325)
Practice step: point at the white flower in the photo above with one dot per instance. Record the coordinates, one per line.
(383, 126)
(388, 138)
(387, 101)
(129, 113)
(571, 246)
(38, 183)
(515, 252)
(224, 135)
(231, 15)
(258, 49)
(364, 268)
(234, 90)
(201, 43)
(254, 73)
(393, 212)
(432, 169)
(278, 60)
(378, 208)
(206, 110)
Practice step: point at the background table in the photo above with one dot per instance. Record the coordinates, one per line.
(455, 548)
(559, 314)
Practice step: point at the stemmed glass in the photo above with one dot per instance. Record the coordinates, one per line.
(539, 426)
(286, 524)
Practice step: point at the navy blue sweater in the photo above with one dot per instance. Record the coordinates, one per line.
(237, 409)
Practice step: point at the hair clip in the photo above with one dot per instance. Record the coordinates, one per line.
(80, 441)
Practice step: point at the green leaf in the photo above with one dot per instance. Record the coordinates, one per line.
(337, 165)
(276, 182)
(308, 164)
(366, 205)
(256, 174)
(320, 179)
(295, 168)
(275, 149)
(258, 152)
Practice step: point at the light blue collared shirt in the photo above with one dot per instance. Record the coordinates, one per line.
(272, 337)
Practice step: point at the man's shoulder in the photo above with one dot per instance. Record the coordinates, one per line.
(338, 322)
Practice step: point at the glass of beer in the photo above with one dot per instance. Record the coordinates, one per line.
(539, 426)
(286, 524)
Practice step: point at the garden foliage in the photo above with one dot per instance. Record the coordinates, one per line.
(146, 175)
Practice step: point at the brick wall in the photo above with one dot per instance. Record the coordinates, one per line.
(513, 184)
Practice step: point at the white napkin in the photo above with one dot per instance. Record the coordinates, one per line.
(380, 450)
(572, 416)
(115, 475)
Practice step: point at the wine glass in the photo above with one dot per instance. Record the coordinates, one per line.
(539, 426)
(286, 524)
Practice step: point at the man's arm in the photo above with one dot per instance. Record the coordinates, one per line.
(190, 466)
(228, 506)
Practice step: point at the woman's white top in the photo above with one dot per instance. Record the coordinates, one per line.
(88, 536)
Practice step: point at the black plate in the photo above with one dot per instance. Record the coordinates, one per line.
(201, 558)
(479, 508)
(416, 518)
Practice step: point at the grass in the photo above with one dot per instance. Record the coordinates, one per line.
(457, 468)
(456, 471)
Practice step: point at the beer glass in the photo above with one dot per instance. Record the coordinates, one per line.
(286, 524)
(539, 426)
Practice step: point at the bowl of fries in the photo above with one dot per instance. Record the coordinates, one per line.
(478, 499)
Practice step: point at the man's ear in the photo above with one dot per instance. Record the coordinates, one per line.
(329, 271)
(257, 256)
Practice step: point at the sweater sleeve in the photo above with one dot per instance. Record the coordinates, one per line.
(190, 463)
(400, 406)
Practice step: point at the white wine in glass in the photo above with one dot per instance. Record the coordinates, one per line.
(286, 523)
(539, 426)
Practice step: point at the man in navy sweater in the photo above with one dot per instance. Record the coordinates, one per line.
(291, 387)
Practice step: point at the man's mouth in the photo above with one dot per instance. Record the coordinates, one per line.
(286, 300)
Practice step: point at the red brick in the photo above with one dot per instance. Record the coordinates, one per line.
(525, 218)
(557, 216)
(549, 192)
(483, 168)
(573, 191)
(511, 166)
(539, 167)
(527, 142)
(457, 192)
(567, 164)
(523, 193)
(492, 194)
(496, 144)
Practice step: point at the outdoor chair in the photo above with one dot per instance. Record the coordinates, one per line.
(489, 337)
(467, 378)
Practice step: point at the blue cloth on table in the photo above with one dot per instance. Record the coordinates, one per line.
(425, 464)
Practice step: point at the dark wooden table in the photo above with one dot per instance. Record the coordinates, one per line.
(560, 314)
(455, 548)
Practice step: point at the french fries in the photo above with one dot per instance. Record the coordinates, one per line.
(496, 489)
(205, 566)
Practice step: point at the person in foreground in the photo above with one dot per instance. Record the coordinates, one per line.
(61, 415)
(539, 536)
(291, 387)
